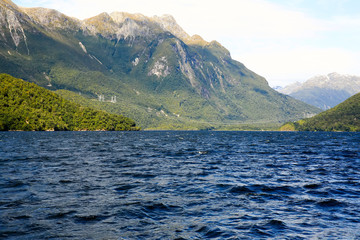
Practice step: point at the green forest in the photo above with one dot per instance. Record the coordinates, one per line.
(25, 106)
(343, 117)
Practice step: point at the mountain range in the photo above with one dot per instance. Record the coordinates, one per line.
(146, 68)
(324, 91)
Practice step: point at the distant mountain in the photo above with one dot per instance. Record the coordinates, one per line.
(26, 106)
(324, 92)
(147, 68)
(343, 117)
(277, 88)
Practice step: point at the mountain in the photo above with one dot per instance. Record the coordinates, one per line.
(26, 106)
(146, 68)
(343, 117)
(326, 91)
(277, 88)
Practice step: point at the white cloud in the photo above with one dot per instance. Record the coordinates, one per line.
(283, 66)
(344, 22)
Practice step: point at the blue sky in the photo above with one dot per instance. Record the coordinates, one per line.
(283, 40)
(323, 8)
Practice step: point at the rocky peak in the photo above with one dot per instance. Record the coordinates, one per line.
(216, 46)
(326, 81)
(9, 10)
(51, 18)
(114, 25)
(11, 20)
(168, 23)
(131, 28)
(164, 23)
(197, 40)
(101, 24)
(8, 4)
(335, 75)
(101, 18)
(117, 25)
(336, 81)
(120, 17)
(290, 88)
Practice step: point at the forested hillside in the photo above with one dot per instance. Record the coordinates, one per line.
(26, 106)
(343, 117)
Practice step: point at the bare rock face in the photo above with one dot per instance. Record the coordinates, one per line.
(52, 19)
(185, 65)
(168, 23)
(160, 68)
(125, 25)
(116, 26)
(10, 18)
(120, 17)
(131, 29)
(15, 29)
(101, 24)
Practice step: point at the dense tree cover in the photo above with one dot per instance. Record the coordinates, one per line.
(343, 117)
(26, 106)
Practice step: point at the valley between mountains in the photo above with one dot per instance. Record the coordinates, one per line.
(145, 68)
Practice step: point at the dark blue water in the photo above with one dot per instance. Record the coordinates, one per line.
(179, 185)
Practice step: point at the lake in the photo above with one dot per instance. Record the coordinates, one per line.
(179, 185)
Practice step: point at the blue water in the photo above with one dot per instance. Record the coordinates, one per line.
(179, 185)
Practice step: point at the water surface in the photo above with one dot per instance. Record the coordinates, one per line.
(179, 185)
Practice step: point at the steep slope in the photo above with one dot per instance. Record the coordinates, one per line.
(158, 74)
(324, 92)
(343, 117)
(26, 106)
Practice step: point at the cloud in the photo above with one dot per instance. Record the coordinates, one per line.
(283, 66)
(259, 19)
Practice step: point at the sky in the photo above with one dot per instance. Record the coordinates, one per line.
(282, 40)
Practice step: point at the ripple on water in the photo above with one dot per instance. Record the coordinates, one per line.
(330, 203)
(179, 185)
(61, 214)
(89, 218)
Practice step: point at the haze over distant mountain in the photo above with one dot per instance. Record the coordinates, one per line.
(146, 68)
(324, 91)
